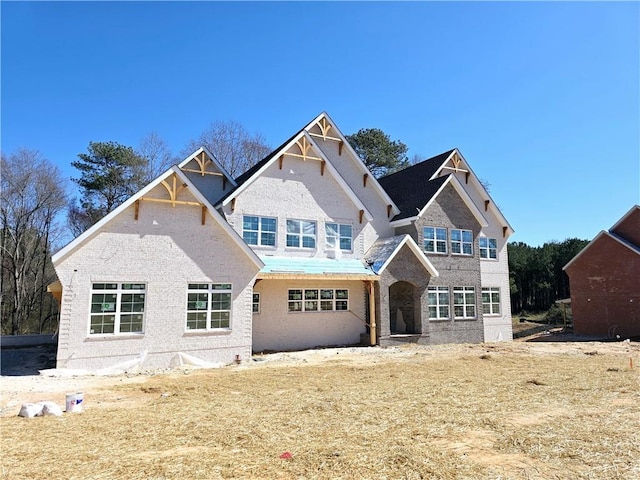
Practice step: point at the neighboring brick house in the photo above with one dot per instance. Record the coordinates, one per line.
(305, 249)
(605, 281)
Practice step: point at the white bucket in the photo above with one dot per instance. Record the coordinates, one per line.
(74, 402)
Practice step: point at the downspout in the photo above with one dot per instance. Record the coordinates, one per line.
(372, 312)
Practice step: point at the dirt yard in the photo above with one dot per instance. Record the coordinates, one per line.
(521, 410)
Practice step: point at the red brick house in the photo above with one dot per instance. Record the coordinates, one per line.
(605, 281)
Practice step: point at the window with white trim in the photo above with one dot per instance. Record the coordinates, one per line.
(338, 234)
(438, 303)
(464, 302)
(301, 234)
(491, 300)
(260, 231)
(255, 307)
(208, 306)
(435, 240)
(117, 308)
(318, 299)
(488, 248)
(461, 242)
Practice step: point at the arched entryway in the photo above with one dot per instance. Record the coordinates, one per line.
(404, 309)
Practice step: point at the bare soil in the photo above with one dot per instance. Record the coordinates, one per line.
(526, 409)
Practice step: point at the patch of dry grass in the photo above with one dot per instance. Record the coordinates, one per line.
(468, 415)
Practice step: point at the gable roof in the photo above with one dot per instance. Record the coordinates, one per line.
(383, 251)
(415, 187)
(90, 232)
(358, 162)
(246, 179)
(635, 210)
(213, 159)
(604, 234)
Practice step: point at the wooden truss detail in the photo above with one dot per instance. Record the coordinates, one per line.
(389, 207)
(324, 127)
(340, 147)
(203, 161)
(322, 165)
(304, 145)
(504, 231)
(174, 187)
(486, 205)
(365, 177)
(361, 215)
(280, 159)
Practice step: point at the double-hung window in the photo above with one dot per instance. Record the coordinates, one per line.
(491, 300)
(318, 299)
(488, 247)
(338, 236)
(464, 302)
(208, 306)
(301, 234)
(438, 303)
(435, 240)
(462, 242)
(117, 308)
(259, 231)
(255, 306)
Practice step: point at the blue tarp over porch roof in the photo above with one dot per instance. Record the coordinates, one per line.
(294, 266)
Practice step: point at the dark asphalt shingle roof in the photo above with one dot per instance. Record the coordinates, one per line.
(410, 189)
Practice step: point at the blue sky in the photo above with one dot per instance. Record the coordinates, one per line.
(541, 98)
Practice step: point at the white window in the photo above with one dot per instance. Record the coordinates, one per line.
(438, 303)
(462, 242)
(338, 234)
(301, 234)
(256, 303)
(488, 247)
(259, 230)
(435, 240)
(491, 300)
(208, 306)
(318, 299)
(117, 308)
(464, 302)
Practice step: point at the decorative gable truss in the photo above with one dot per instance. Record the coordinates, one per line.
(302, 147)
(324, 129)
(172, 188)
(204, 163)
(456, 164)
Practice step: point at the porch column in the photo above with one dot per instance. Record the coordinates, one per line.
(372, 312)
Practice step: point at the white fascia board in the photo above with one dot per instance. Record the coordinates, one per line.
(213, 159)
(403, 222)
(235, 236)
(259, 172)
(90, 232)
(436, 174)
(407, 240)
(341, 181)
(80, 239)
(376, 185)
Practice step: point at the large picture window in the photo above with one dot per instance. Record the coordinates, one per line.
(208, 306)
(464, 302)
(491, 300)
(438, 303)
(435, 240)
(462, 242)
(488, 248)
(338, 235)
(318, 299)
(259, 230)
(117, 308)
(301, 234)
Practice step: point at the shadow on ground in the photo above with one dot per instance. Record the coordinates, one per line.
(19, 361)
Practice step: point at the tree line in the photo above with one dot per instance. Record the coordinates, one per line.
(536, 276)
